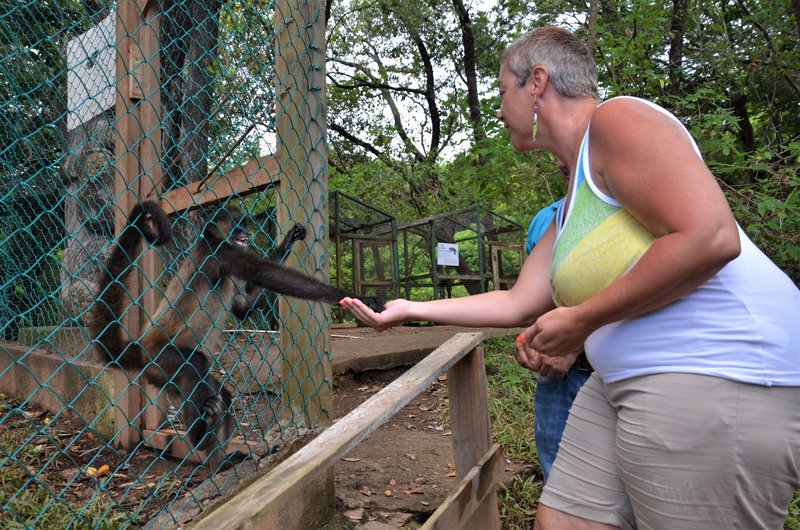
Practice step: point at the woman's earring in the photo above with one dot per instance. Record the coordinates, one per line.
(535, 122)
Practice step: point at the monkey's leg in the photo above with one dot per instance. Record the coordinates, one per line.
(205, 410)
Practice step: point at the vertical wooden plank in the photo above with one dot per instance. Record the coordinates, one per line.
(127, 165)
(138, 145)
(128, 400)
(149, 144)
(469, 410)
(148, 184)
(302, 157)
(357, 272)
(495, 267)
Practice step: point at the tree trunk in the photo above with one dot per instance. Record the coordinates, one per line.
(470, 71)
(679, 14)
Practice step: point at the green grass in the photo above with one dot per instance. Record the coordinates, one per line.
(31, 499)
(511, 390)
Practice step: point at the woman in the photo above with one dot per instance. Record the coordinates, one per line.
(692, 417)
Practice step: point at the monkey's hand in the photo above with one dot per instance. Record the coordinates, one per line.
(375, 303)
(214, 409)
(297, 233)
(394, 312)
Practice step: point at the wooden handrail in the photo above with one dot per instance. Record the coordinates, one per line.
(461, 357)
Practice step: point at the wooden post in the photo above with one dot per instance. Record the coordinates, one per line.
(302, 158)
(302, 155)
(138, 145)
(472, 437)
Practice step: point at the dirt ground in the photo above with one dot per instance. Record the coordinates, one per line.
(395, 478)
(401, 473)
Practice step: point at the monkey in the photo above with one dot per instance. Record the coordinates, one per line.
(175, 350)
(249, 298)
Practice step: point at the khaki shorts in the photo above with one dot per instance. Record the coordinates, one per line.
(679, 451)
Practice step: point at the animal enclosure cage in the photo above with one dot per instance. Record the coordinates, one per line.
(197, 104)
(365, 240)
(457, 253)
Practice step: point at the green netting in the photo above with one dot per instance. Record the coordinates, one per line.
(199, 103)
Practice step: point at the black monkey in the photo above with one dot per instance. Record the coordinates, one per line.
(187, 327)
(249, 297)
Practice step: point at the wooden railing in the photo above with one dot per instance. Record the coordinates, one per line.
(479, 463)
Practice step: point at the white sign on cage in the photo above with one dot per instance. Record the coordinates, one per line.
(447, 254)
(91, 71)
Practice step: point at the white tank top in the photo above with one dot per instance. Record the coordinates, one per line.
(743, 324)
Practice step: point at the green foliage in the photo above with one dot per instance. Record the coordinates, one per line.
(245, 123)
(735, 87)
(511, 391)
(769, 211)
(630, 49)
(33, 84)
(28, 498)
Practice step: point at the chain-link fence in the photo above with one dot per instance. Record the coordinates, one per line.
(197, 104)
(458, 253)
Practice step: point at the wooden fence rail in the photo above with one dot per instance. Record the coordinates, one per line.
(472, 505)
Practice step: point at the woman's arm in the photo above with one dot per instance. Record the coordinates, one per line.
(519, 306)
(645, 160)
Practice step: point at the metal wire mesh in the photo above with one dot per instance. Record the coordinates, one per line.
(103, 105)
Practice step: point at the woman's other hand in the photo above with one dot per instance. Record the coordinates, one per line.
(557, 333)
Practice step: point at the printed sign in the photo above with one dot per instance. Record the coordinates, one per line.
(447, 254)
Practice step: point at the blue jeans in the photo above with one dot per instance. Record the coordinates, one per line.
(551, 405)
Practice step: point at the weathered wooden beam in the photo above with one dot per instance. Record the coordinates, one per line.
(254, 176)
(174, 442)
(472, 436)
(469, 494)
(301, 123)
(137, 161)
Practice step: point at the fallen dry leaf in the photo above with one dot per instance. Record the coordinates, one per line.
(414, 491)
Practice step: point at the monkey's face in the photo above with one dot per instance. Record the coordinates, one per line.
(240, 236)
(231, 226)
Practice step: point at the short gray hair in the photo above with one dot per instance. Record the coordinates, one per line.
(573, 72)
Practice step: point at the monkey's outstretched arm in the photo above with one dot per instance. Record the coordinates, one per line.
(253, 298)
(266, 274)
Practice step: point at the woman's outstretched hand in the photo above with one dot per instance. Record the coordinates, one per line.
(394, 312)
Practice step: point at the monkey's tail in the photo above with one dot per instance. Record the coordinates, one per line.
(112, 297)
